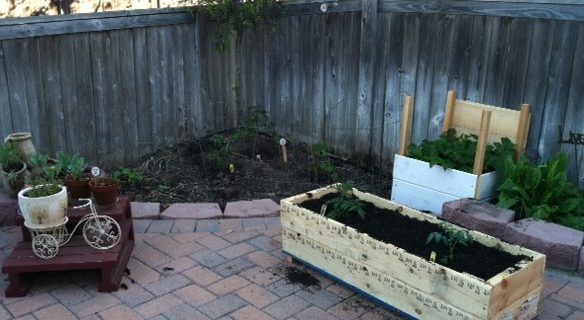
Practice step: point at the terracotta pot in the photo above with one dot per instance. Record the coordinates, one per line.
(78, 188)
(13, 183)
(23, 142)
(104, 191)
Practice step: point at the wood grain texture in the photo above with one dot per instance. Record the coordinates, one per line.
(328, 77)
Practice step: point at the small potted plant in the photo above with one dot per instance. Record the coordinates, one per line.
(104, 190)
(37, 164)
(13, 169)
(44, 204)
(76, 180)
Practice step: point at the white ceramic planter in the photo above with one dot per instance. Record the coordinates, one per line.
(43, 212)
(419, 186)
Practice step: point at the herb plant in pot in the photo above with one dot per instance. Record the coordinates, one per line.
(44, 205)
(13, 169)
(104, 190)
(76, 180)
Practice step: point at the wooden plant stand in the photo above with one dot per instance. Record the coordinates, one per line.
(22, 263)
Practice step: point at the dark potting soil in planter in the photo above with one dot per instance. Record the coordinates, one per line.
(410, 234)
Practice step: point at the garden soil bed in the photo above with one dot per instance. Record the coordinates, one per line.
(190, 172)
(411, 234)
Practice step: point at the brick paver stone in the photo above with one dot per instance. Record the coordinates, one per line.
(231, 225)
(572, 293)
(228, 285)
(578, 315)
(581, 262)
(236, 250)
(160, 226)
(207, 258)
(167, 284)
(184, 225)
(263, 259)
(321, 298)
(478, 215)
(253, 208)
(158, 306)
(192, 211)
(260, 276)
(149, 255)
(30, 304)
(254, 224)
(286, 307)
(118, 313)
(250, 312)
(208, 226)
(71, 294)
(560, 244)
(195, 295)
(265, 243)
(134, 295)
(184, 312)
(313, 313)
(551, 309)
(56, 311)
(213, 242)
(234, 266)
(236, 237)
(202, 275)
(283, 288)
(94, 305)
(177, 266)
(352, 308)
(141, 273)
(141, 226)
(257, 295)
(145, 210)
(222, 306)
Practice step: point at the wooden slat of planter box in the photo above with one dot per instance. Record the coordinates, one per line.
(420, 274)
(376, 283)
(460, 184)
(506, 291)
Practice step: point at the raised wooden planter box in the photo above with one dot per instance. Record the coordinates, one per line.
(421, 187)
(418, 288)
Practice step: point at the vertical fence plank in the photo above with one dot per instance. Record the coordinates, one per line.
(36, 100)
(143, 101)
(460, 55)
(365, 80)
(519, 44)
(69, 92)
(393, 97)
(479, 42)
(317, 79)
(409, 63)
(537, 80)
(574, 119)
(194, 92)
(5, 110)
(14, 55)
(560, 73)
(128, 95)
(155, 86)
(380, 74)
(52, 90)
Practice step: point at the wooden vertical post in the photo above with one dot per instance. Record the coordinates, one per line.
(522, 131)
(366, 72)
(449, 112)
(481, 149)
(406, 128)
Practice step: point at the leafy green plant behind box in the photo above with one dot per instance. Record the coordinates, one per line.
(542, 191)
(452, 151)
(346, 204)
(321, 167)
(10, 159)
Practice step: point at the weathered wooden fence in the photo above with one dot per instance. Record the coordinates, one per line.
(116, 86)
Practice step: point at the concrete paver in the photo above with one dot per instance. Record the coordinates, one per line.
(230, 274)
(145, 210)
(192, 211)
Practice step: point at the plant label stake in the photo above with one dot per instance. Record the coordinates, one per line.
(284, 151)
(323, 210)
(95, 171)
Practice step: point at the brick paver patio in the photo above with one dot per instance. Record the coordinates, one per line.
(225, 269)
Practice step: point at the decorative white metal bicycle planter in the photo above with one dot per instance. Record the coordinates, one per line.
(99, 231)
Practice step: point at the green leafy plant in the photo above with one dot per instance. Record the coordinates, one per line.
(127, 175)
(63, 161)
(346, 204)
(221, 150)
(321, 166)
(450, 237)
(48, 183)
(452, 151)
(10, 158)
(257, 122)
(39, 160)
(542, 191)
(43, 189)
(76, 166)
(236, 15)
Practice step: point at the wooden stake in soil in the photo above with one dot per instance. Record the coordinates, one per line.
(284, 151)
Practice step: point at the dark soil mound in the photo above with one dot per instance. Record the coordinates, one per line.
(197, 172)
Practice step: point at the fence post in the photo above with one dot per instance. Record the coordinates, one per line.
(365, 89)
